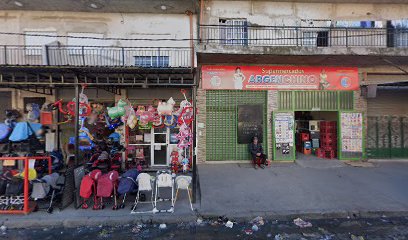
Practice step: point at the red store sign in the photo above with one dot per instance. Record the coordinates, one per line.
(279, 78)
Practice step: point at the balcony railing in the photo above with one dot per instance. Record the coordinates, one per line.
(303, 36)
(148, 57)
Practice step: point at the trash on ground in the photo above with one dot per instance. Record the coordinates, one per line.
(163, 226)
(354, 237)
(222, 219)
(259, 221)
(199, 221)
(278, 237)
(229, 224)
(302, 224)
(3, 228)
(255, 228)
(248, 231)
(269, 235)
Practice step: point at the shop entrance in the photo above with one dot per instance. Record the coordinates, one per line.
(153, 145)
(316, 134)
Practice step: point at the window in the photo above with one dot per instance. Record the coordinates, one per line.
(35, 43)
(152, 61)
(359, 24)
(234, 31)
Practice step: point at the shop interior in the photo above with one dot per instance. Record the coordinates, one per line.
(119, 138)
(316, 134)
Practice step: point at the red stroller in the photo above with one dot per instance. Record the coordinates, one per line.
(88, 186)
(107, 184)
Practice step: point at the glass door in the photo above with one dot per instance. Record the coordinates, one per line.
(159, 146)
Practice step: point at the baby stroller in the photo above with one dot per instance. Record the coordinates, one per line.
(107, 184)
(52, 183)
(13, 197)
(88, 187)
(127, 184)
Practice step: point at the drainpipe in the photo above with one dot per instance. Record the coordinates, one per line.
(190, 14)
(201, 18)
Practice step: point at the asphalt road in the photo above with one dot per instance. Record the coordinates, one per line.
(355, 229)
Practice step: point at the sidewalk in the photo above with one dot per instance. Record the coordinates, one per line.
(239, 191)
(285, 189)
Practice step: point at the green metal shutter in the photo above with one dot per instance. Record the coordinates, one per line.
(222, 112)
(315, 100)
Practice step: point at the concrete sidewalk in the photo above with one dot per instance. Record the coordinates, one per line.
(239, 191)
(284, 189)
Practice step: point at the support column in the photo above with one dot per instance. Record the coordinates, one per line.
(76, 121)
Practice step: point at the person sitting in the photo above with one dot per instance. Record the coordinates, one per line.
(256, 150)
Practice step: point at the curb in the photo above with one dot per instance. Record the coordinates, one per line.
(18, 223)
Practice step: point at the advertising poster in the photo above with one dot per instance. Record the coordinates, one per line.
(284, 123)
(279, 78)
(352, 132)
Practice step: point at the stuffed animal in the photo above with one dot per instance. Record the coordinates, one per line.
(33, 112)
(117, 111)
(174, 159)
(166, 108)
(185, 163)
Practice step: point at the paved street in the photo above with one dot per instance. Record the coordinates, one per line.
(383, 228)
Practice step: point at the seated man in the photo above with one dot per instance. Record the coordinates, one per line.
(256, 150)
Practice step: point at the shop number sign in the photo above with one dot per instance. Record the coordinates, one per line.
(352, 132)
(280, 78)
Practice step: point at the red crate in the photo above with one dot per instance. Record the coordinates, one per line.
(304, 136)
(329, 129)
(327, 154)
(327, 124)
(329, 146)
(328, 137)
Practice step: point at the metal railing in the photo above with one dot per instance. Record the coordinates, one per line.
(303, 36)
(148, 57)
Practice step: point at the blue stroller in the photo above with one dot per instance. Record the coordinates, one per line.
(127, 184)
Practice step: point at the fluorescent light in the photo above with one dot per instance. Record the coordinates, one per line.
(19, 4)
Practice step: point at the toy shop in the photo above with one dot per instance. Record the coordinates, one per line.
(296, 112)
(95, 147)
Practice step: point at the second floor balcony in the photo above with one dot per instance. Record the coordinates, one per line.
(97, 56)
(309, 37)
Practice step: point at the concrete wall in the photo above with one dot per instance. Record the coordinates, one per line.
(271, 13)
(390, 102)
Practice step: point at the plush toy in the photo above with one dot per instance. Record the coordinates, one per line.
(174, 159)
(185, 163)
(118, 110)
(166, 108)
(184, 136)
(132, 119)
(33, 112)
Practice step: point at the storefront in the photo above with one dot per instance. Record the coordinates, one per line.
(280, 104)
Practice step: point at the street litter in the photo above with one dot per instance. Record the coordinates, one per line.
(278, 237)
(163, 226)
(354, 237)
(255, 228)
(259, 221)
(302, 224)
(248, 231)
(199, 221)
(229, 224)
(3, 228)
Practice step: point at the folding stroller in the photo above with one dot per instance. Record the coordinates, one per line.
(88, 187)
(107, 184)
(14, 197)
(127, 184)
(183, 183)
(145, 184)
(164, 179)
(52, 183)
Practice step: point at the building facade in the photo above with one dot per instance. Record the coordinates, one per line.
(255, 38)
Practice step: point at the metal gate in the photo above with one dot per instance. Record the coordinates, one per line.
(222, 117)
(387, 137)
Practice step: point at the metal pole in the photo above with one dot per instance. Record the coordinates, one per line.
(76, 121)
(194, 92)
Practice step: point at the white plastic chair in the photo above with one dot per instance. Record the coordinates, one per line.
(145, 184)
(183, 183)
(164, 179)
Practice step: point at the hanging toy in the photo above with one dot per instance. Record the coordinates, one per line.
(174, 160)
(185, 163)
(132, 118)
(171, 121)
(117, 111)
(184, 136)
(166, 108)
(85, 138)
(186, 116)
(112, 123)
(33, 112)
(158, 121)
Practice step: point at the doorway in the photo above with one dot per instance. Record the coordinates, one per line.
(316, 135)
(153, 145)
